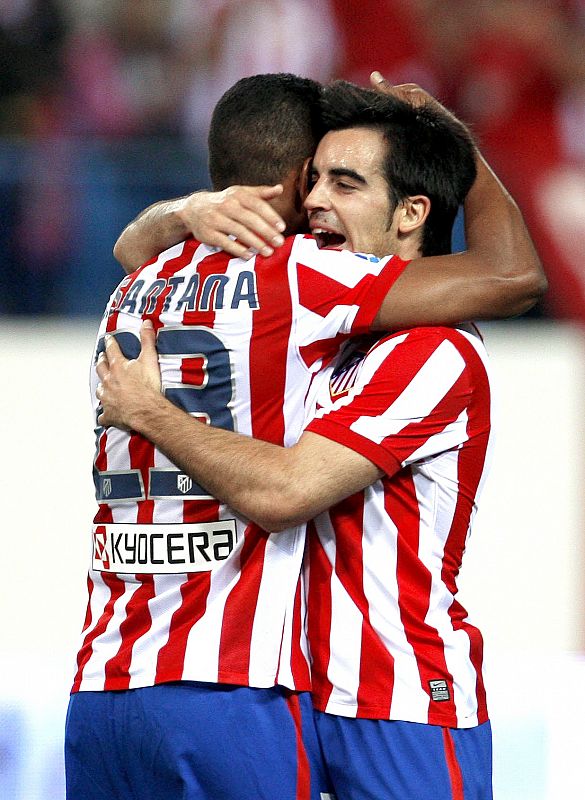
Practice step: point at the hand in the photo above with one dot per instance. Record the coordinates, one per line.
(412, 93)
(242, 212)
(128, 386)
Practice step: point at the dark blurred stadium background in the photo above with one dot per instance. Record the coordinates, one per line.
(104, 106)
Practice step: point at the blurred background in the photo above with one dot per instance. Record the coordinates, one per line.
(104, 108)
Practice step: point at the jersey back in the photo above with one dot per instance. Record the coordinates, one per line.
(180, 586)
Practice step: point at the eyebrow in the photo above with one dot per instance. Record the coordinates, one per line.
(343, 172)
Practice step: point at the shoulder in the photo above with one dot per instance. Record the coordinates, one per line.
(432, 336)
(461, 348)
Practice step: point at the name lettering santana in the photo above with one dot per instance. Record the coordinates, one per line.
(182, 294)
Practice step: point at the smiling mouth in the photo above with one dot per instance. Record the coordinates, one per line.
(326, 239)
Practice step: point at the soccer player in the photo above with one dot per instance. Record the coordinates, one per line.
(397, 450)
(194, 613)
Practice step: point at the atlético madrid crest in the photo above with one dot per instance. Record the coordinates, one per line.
(184, 483)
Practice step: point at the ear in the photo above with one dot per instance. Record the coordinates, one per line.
(412, 213)
(304, 177)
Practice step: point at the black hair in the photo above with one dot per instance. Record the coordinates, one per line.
(429, 153)
(263, 127)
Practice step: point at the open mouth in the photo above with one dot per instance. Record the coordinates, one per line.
(327, 238)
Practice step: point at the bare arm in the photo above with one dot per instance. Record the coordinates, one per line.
(498, 276)
(274, 486)
(215, 218)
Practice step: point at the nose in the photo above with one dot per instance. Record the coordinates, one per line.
(318, 197)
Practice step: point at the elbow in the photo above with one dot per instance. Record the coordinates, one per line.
(119, 253)
(277, 512)
(531, 287)
(123, 256)
(517, 293)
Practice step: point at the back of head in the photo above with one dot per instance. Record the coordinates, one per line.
(429, 153)
(262, 128)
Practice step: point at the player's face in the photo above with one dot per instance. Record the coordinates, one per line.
(349, 205)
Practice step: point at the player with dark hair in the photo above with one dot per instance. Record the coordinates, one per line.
(391, 467)
(278, 123)
(438, 162)
(262, 131)
(193, 637)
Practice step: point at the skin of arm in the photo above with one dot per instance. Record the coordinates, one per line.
(274, 486)
(211, 217)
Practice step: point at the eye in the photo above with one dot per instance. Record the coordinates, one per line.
(345, 187)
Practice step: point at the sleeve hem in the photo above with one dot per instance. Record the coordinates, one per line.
(355, 441)
(378, 291)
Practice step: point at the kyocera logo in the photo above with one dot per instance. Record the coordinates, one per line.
(100, 549)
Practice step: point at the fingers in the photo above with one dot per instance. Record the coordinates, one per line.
(147, 341)
(379, 82)
(112, 352)
(411, 92)
(102, 366)
(239, 220)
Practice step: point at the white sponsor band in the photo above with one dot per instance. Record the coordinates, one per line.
(162, 549)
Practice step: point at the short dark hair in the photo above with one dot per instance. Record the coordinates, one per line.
(263, 127)
(428, 152)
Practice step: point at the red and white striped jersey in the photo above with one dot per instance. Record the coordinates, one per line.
(180, 586)
(387, 635)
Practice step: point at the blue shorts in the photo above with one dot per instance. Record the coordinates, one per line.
(193, 741)
(370, 759)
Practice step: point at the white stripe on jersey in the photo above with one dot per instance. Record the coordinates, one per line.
(383, 604)
(423, 393)
(453, 435)
(109, 641)
(204, 638)
(285, 559)
(162, 606)
(436, 519)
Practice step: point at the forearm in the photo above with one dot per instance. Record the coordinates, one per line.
(255, 478)
(157, 228)
(276, 487)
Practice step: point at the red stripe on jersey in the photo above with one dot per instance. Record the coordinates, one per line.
(371, 303)
(453, 767)
(123, 290)
(87, 620)
(347, 517)
(135, 624)
(240, 608)
(171, 656)
(319, 617)
(137, 620)
(271, 330)
(299, 664)
(303, 790)
(168, 269)
(322, 294)
(470, 467)
(116, 587)
(325, 349)
(414, 590)
(214, 264)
